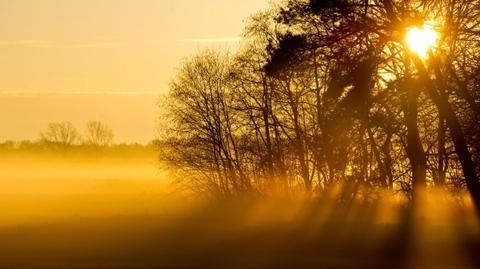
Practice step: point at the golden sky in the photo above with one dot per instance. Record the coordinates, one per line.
(107, 60)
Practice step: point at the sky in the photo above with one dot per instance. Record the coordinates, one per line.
(108, 60)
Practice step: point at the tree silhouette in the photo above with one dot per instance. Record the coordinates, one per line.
(62, 134)
(327, 93)
(98, 134)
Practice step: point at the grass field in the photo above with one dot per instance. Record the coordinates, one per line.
(120, 212)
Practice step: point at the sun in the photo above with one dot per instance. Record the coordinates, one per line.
(421, 40)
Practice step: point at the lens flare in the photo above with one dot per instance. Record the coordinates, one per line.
(421, 40)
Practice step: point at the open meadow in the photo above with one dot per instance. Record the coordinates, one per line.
(111, 211)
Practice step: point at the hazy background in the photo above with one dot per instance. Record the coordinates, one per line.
(108, 60)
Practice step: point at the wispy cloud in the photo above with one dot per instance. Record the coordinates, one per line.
(76, 92)
(47, 44)
(209, 40)
(54, 44)
(27, 43)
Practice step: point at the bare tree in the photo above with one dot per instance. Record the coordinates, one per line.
(203, 126)
(62, 134)
(98, 133)
(327, 92)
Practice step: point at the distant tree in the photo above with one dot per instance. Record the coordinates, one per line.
(7, 145)
(98, 133)
(63, 134)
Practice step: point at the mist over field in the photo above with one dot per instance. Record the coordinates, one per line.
(239, 134)
(40, 187)
(118, 209)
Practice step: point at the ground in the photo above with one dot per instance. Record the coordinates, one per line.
(111, 212)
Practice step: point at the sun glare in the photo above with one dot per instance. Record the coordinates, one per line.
(420, 40)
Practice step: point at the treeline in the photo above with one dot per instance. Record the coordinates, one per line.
(65, 134)
(65, 137)
(40, 146)
(327, 93)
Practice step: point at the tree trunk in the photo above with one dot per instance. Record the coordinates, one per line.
(268, 140)
(441, 152)
(456, 132)
(415, 152)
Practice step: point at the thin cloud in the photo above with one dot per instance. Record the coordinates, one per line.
(27, 43)
(210, 40)
(74, 92)
(50, 44)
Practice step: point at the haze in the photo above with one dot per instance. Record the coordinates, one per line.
(103, 60)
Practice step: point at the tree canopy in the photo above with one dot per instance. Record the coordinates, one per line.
(328, 93)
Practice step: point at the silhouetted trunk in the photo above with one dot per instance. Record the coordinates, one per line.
(456, 132)
(266, 121)
(299, 143)
(279, 154)
(318, 129)
(415, 152)
(441, 171)
(464, 93)
(376, 153)
(388, 160)
(460, 144)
